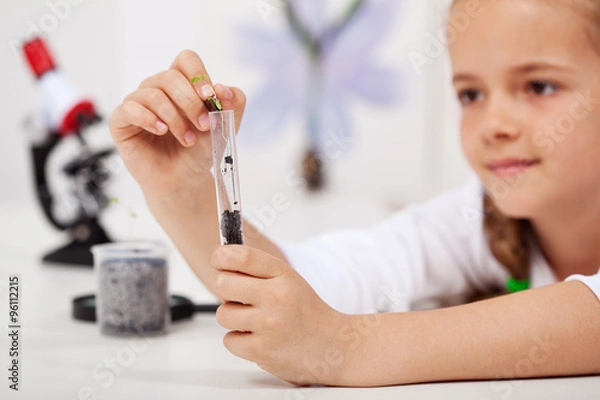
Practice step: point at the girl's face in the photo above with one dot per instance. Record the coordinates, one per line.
(527, 76)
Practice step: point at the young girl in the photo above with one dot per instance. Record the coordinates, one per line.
(331, 310)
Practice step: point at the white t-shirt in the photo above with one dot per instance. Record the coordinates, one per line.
(428, 255)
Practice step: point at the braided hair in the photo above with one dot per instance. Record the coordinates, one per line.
(508, 239)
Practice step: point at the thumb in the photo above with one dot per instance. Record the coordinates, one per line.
(232, 98)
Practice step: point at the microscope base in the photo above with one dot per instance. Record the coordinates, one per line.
(78, 252)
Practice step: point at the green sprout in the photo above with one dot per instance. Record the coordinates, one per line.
(212, 103)
(132, 214)
(198, 79)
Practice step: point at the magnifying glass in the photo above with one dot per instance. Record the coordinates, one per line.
(84, 308)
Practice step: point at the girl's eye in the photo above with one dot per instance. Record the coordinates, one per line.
(469, 96)
(541, 88)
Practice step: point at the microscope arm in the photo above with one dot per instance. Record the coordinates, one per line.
(41, 153)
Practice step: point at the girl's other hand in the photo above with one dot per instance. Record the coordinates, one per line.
(276, 319)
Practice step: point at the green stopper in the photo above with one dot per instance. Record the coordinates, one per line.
(516, 285)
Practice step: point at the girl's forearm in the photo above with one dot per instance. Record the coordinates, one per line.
(190, 219)
(550, 331)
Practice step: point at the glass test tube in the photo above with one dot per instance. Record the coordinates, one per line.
(229, 204)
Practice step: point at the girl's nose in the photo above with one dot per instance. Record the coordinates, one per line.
(500, 124)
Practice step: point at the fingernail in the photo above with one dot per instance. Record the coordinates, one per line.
(190, 138)
(161, 127)
(227, 93)
(204, 121)
(206, 91)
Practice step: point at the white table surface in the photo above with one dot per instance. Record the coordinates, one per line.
(63, 359)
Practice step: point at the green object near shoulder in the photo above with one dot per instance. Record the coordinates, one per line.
(517, 285)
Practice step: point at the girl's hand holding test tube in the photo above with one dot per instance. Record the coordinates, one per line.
(161, 129)
(278, 321)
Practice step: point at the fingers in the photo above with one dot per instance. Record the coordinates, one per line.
(240, 344)
(168, 101)
(237, 317)
(159, 103)
(190, 64)
(247, 260)
(131, 112)
(234, 99)
(178, 88)
(237, 288)
(240, 320)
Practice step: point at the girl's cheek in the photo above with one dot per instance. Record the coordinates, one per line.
(469, 141)
(467, 134)
(466, 145)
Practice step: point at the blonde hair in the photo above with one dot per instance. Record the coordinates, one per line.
(589, 9)
(508, 238)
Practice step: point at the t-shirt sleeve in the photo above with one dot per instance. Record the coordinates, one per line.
(593, 282)
(428, 255)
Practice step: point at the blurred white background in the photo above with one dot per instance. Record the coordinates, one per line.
(400, 154)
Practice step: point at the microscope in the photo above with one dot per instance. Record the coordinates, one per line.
(64, 112)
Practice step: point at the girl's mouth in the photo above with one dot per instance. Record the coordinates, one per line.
(511, 166)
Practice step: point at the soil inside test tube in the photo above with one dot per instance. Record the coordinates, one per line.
(231, 227)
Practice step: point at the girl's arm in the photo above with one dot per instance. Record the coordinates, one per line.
(550, 331)
(278, 321)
